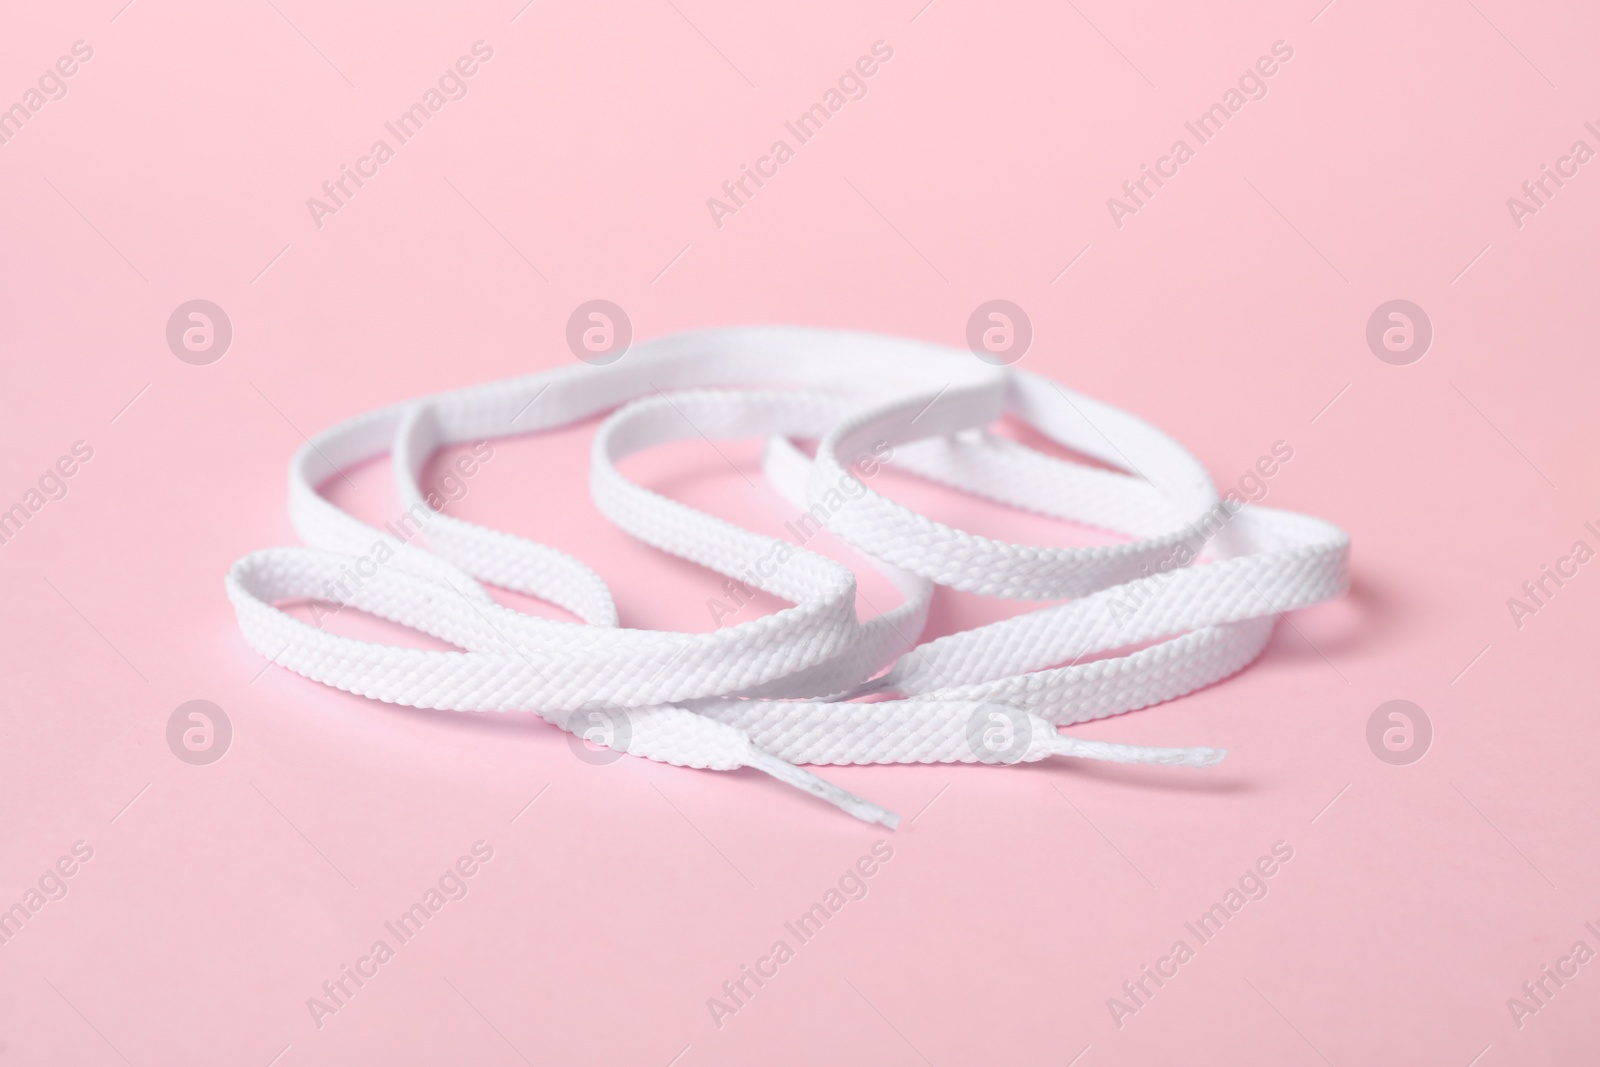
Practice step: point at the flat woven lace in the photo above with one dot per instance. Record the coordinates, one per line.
(1188, 597)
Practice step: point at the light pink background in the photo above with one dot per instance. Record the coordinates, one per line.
(1230, 311)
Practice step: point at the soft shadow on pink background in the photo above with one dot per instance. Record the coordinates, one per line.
(1230, 310)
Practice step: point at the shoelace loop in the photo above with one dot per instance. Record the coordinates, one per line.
(1197, 583)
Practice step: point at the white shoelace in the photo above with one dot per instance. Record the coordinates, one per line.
(1197, 586)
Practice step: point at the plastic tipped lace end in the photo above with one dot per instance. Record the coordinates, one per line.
(1112, 753)
(880, 815)
(804, 780)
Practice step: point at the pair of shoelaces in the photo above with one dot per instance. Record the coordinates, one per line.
(1192, 591)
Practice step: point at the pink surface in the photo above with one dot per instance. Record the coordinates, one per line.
(1230, 308)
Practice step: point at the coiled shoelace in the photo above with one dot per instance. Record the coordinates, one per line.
(1194, 589)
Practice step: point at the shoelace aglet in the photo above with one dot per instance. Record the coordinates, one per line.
(804, 780)
(1108, 752)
